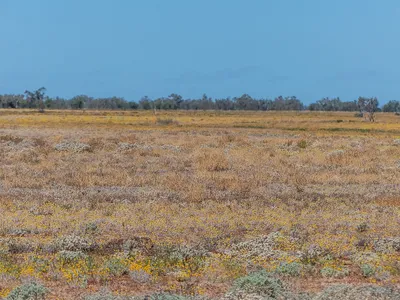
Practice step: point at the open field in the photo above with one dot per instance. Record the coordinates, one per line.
(190, 203)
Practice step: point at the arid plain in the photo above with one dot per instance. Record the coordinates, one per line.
(199, 204)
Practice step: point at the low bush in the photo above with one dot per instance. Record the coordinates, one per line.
(259, 283)
(29, 291)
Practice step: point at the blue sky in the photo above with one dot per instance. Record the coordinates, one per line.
(266, 48)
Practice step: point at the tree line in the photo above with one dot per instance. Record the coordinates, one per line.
(39, 100)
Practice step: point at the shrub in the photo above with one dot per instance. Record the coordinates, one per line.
(73, 243)
(117, 266)
(192, 258)
(73, 147)
(11, 138)
(20, 231)
(42, 265)
(312, 254)
(350, 292)
(214, 161)
(336, 273)
(91, 228)
(291, 269)
(367, 270)
(67, 257)
(29, 291)
(16, 246)
(263, 246)
(140, 276)
(336, 153)
(166, 121)
(138, 244)
(259, 283)
(336, 156)
(387, 245)
(103, 294)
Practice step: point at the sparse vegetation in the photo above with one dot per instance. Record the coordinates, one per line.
(211, 205)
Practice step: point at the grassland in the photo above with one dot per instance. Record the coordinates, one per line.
(190, 203)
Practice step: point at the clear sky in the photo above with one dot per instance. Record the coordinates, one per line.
(131, 48)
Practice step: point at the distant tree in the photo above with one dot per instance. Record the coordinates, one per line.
(81, 101)
(243, 102)
(36, 98)
(145, 103)
(133, 105)
(175, 101)
(287, 103)
(368, 107)
(361, 102)
(392, 106)
(11, 101)
(224, 104)
(349, 106)
(206, 103)
(265, 104)
(334, 104)
(58, 103)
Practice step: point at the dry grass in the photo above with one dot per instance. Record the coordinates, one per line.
(199, 183)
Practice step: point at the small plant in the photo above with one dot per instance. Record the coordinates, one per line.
(41, 264)
(311, 254)
(140, 276)
(336, 156)
(367, 270)
(302, 144)
(103, 294)
(91, 228)
(29, 291)
(362, 227)
(117, 266)
(328, 272)
(15, 246)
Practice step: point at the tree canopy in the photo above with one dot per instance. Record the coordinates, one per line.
(39, 100)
